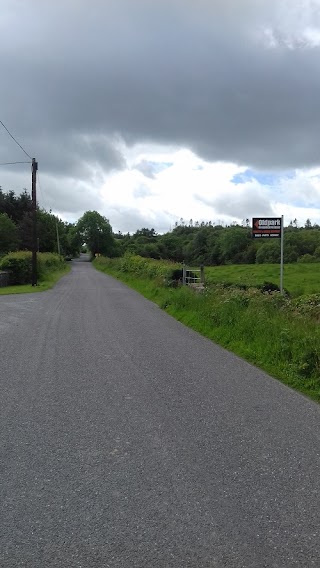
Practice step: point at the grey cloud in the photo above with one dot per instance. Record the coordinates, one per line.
(68, 154)
(69, 196)
(71, 169)
(79, 155)
(16, 178)
(160, 71)
(81, 75)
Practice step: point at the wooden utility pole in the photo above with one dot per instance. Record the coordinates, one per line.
(34, 168)
(58, 240)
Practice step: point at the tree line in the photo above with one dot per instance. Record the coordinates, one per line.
(192, 242)
(209, 244)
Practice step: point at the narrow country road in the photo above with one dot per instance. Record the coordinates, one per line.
(128, 440)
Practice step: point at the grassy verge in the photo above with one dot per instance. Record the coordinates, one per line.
(279, 335)
(46, 282)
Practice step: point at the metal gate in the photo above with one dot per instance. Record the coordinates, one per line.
(193, 277)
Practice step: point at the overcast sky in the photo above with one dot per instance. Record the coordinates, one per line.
(153, 110)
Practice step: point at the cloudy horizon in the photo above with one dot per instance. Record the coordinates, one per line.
(152, 111)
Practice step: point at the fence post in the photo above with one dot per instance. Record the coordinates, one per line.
(202, 274)
(184, 273)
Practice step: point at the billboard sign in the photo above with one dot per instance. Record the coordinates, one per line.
(266, 227)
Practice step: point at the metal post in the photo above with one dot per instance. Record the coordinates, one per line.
(34, 168)
(281, 257)
(202, 274)
(184, 274)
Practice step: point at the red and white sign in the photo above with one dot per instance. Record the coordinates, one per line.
(267, 227)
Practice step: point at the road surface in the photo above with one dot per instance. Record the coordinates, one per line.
(128, 440)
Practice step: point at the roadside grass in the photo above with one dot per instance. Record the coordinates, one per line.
(47, 281)
(278, 334)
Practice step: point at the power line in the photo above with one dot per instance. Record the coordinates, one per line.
(16, 141)
(42, 192)
(11, 163)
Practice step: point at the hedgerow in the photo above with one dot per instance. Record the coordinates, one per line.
(163, 270)
(19, 265)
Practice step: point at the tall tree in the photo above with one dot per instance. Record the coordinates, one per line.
(96, 232)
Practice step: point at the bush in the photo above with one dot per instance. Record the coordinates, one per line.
(308, 306)
(48, 262)
(307, 259)
(174, 278)
(268, 287)
(19, 265)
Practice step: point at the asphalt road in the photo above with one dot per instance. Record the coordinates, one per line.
(127, 440)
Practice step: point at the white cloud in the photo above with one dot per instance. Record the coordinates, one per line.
(191, 188)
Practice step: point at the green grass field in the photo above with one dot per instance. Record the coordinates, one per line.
(298, 279)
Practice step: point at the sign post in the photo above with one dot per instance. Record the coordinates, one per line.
(270, 228)
(281, 258)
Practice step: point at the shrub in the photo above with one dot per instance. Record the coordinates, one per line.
(308, 306)
(309, 364)
(174, 277)
(268, 287)
(307, 259)
(18, 264)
